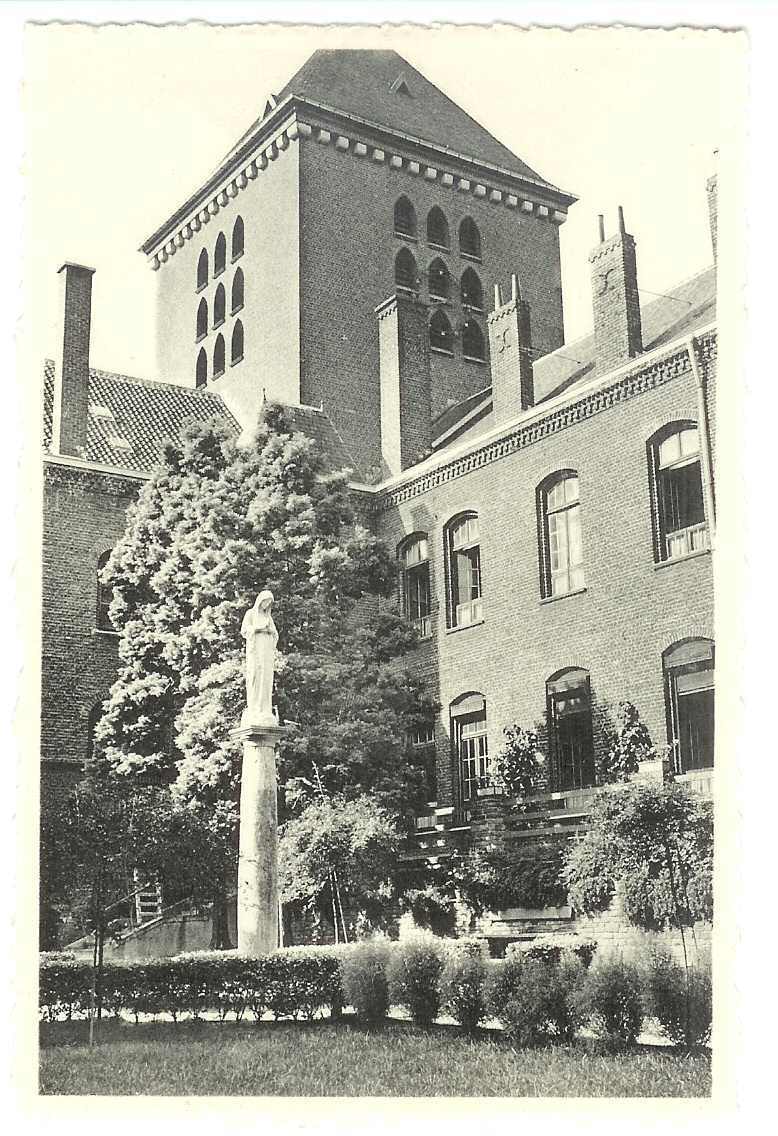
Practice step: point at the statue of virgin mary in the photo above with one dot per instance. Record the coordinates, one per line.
(261, 637)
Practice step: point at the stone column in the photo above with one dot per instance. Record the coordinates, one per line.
(258, 849)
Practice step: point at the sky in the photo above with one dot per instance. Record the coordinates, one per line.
(122, 123)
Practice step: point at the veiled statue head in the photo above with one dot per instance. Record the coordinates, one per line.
(264, 600)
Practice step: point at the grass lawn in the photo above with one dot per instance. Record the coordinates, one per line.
(343, 1059)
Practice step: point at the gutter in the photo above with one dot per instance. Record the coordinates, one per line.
(703, 419)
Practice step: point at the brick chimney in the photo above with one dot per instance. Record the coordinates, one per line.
(406, 413)
(510, 351)
(618, 334)
(712, 186)
(71, 375)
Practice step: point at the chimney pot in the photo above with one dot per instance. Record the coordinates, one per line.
(601, 227)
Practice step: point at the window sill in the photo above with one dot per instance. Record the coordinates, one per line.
(235, 311)
(407, 290)
(219, 272)
(442, 351)
(406, 236)
(234, 362)
(440, 300)
(217, 374)
(201, 287)
(472, 308)
(109, 631)
(470, 256)
(563, 595)
(200, 338)
(440, 248)
(681, 559)
(474, 359)
(237, 256)
(465, 626)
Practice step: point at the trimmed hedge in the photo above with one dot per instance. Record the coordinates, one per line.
(550, 948)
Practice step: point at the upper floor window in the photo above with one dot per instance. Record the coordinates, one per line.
(561, 545)
(237, 343)
(569, 708)
(237, 291)
(471, 745)
(689, 692)
(437, 228)
(201, 370)
(676, 491)
(439, 281)
(237, 238)
(471, 291)
(463, 565)
(473, 344)
(201, 329)
(404, 218)
(441, 335)
(406, 274)
(219, 306)
(414, 557)
(104, 596)
(470, 239)
(218, 356)
(202, 270)
(220, 255)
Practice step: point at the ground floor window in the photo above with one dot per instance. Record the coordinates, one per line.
(468, 724)
(689, 686)
(569, 707)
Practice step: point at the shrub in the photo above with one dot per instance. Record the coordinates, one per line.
(551, 948)
(432, 910)
(529, 876)
(564, 1014)
(519, 999)
(611, 1000)
(363, 977)
(414, 978)
(681, 1002)
(463, 988)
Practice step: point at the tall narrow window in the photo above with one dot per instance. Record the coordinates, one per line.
(220, 254)
(569, 707)
(470, 239)
(202, 320)
(104, 596)
(463, 563)
(561, 545)
(237, 291)
(471, 291)
(202, 270)
(439, 281)
(219, 306)
(237, 343)
(201, 370)
(406, 274)
(218, 356)
(416, 583)
(471, 747)
(689, 689)
(95, 714)
(404, 218)
(473, 345)
(676, 489)
(237, 238)
(437, 228)
(441, 335)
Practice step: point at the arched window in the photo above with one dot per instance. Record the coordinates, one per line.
(415, 567)
(237, 343)
(441, 336)
(237, 238)
(237, 291)
(471, 291)
(689, 692)
(404, 218)
(202, 320)
(471, 746)
(437, 228)
(473, 343)
(104, 596)
(561, 545)
(439, 281)
(219, 305)
(469, 239)
(218, 356)
(406, 274)
(463, 571)
(569, 709)
(202, 270)
(677, 500)
(201, 370)
(220, 255)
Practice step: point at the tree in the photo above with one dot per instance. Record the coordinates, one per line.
(518, 767)
(338, 856)
(629, 744)
(218, 521)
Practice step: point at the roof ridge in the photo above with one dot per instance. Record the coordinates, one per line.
(154, 384)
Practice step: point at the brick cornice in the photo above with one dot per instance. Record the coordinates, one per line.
(62, 471)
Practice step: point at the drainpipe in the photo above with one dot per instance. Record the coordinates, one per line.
(704, 435)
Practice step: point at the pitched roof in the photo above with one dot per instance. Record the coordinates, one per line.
(690, 305)
(383, 88)
(130, 418)
(317, 425)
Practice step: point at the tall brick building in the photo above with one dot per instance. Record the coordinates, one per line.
(370, 255)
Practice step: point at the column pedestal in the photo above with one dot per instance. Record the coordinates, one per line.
(258, 849)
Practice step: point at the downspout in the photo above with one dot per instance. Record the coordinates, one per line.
(704, 435)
